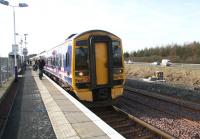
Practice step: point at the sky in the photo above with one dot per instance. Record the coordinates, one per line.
(139, 23)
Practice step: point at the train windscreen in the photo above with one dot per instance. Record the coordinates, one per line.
(117, 56)
(82, 58)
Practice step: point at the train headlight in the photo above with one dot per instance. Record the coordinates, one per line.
(118, 71)
(80, 73)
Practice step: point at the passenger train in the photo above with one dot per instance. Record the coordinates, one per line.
(90, 65)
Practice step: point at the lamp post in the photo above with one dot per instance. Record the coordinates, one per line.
(14, 45)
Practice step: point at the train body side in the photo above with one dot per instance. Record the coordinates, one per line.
(57, 65)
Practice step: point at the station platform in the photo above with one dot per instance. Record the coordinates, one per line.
(42, 109)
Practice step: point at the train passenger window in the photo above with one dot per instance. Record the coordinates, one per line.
(67, 59)
(57, 60)
(49, 61)
(117, 56)
(82, 58)
(53, 61)
(60, 58)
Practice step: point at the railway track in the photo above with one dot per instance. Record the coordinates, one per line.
(127, 125)
(185, 107)
(183, 103)
(177, 119)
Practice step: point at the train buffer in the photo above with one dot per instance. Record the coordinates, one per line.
(41, 109)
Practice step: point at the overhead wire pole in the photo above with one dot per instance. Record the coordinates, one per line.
(15, 44)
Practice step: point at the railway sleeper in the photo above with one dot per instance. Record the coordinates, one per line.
(103, 113)
(122, 125)
(137, 134)
(129, 128)
(111, 121)
(118, 124)
(144, 132)
(103, 110)
(129, 134)
(151, 136)
(113, 116)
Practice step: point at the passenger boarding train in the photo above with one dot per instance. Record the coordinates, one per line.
(89, 64)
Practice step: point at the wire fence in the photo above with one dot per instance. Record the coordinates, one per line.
(6, 69)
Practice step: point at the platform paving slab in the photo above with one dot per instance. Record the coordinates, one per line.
(76, 117)
(88, 129)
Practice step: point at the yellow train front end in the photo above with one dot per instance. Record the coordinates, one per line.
(98, 67)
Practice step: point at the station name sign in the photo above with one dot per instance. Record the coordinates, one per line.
(15, 48)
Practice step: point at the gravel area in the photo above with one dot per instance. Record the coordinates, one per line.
(180, 122)
(165, 89)
(163, 106)
(163, 118)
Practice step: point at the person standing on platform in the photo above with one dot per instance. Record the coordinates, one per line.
(24, 65)
(41, 65)
(35, 66)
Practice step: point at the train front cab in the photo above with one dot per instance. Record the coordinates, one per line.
(99, 68)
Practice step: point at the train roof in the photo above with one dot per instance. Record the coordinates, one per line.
(74, 36)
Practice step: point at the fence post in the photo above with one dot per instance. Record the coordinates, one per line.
(9, 67)
(0, 73)
(7, 71)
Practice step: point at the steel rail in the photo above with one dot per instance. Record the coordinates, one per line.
(185, 103)
(148, 126)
